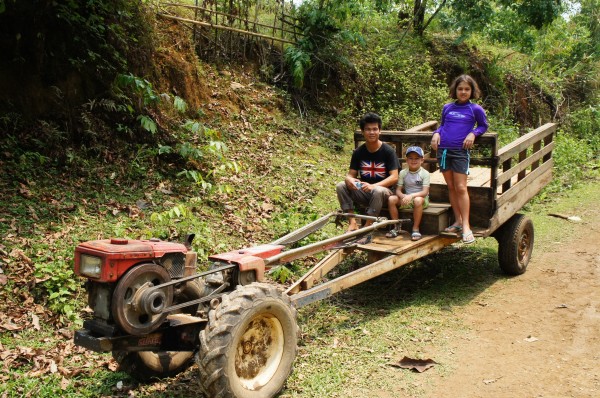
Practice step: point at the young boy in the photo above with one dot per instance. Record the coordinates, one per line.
(415, 181)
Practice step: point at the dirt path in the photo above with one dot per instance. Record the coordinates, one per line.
(537, 335)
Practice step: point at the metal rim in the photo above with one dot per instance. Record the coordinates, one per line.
(259, 351)
(524, 247)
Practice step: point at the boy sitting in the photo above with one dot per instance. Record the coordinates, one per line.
(415, 181)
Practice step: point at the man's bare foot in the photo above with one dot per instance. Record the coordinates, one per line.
(352, 228)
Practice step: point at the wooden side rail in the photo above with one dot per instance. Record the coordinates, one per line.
(530, 152)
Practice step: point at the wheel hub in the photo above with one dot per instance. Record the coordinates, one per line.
(136, 308)
(259, 352)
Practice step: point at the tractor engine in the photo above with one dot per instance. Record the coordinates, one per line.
(121, 278)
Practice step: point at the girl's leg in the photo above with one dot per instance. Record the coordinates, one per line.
(462, 199)
(453, 197)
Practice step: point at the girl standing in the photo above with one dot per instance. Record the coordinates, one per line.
(461, 122)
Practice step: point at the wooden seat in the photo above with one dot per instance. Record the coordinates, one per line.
(435, 218)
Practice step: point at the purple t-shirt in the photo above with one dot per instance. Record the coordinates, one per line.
(458, 120)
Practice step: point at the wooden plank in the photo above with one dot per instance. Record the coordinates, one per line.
(478, 177)
(522, 166)
(511, 205)
(370, 271)
(525, 141)
(318, 271)
(518, 191)
(411, 137)
(427, 126)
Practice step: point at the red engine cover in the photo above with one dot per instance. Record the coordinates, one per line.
(118, 255)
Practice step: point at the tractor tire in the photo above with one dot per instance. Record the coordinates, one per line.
(515, 244)
(148, 365)
(249, 345)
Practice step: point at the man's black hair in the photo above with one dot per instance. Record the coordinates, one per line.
(369, 118)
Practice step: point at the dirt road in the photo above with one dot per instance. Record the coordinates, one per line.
(537, 335)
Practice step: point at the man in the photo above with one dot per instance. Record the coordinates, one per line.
(373, 171)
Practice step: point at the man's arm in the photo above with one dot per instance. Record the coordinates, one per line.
(351, 178)
(390, 181)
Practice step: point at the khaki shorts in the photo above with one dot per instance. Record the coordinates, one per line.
(411, 205)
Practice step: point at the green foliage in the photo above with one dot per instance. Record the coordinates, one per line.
(502, 21)
(389, 72)
(179, 104)
(583, 125)
(323, 31)
(182, 219)
(59, 284)
(299, 61)
(281, 273)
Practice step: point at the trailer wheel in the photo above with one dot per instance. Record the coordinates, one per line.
(249, 345)
(148, 365)
(515, 244)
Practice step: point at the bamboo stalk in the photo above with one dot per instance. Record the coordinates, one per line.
(229, 15)
(215, 26)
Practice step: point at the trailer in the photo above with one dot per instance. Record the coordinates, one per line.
(156, 313)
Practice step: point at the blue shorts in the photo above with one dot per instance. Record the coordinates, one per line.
(456, 160)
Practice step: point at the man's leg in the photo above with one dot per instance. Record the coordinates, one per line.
(379, 196)
(347, 197)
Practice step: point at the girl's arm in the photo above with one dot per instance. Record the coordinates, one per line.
(481, 119)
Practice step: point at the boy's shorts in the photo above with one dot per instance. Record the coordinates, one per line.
(456, 160)
(412, 205)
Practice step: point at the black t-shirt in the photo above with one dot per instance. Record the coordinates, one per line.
(373, 167)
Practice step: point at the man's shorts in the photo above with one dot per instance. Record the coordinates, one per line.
(456, 160)
(412, 204)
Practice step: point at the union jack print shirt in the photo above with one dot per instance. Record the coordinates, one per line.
(373, 167)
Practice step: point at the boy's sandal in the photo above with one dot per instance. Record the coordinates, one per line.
(416, 235)
(393, 233)
(453, 228)
(468, 237)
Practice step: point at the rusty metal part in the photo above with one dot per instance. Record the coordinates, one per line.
(303, 232)
(136, 307)
(290, 255)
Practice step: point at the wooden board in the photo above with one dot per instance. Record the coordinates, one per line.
(478, 177)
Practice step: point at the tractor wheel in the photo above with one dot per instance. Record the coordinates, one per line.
(515, 244)
(129, 306)
(147, 365)
(249, 344)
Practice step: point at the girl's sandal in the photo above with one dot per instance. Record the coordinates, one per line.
(416, 235)
(468, 237)
(453, 228)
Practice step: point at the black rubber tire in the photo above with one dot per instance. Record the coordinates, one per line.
(147, 365)
(515, 244)
(255, 324)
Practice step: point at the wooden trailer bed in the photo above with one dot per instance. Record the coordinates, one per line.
(500, 182)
